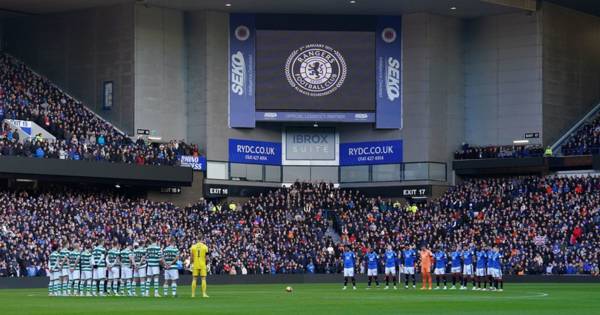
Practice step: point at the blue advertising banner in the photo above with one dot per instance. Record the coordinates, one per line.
(376, 152)
(242, 37)
(254, 152)
(388, 55)
(197, 163)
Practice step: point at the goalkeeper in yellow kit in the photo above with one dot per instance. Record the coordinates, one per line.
(198, 254)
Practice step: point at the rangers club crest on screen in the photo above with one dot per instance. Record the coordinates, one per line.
(316, 70)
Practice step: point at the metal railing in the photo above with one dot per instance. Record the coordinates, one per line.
(411, 171)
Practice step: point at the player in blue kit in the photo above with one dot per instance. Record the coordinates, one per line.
(468, 274)
(489, 268)
(349, 261)
(455, 267)
(372, 264)
(410, 257)
(497, 269)
(481, 264)
(390, 267)
(441, 260)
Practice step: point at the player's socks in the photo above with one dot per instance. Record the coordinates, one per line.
(65, 287)
(345, 281)
(174, 288)
(194, 287)
(50, 287)
(387, 281)
(370, 280)
(102, 287)
(155, 285)
(501, 284)
(203, 287)
(376, 281)
(165, 289)
(354, 283)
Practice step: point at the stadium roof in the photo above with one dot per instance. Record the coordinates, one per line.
(459, 8)
(463, 8)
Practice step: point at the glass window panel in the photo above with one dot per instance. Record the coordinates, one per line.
(437, 171)
(354, 174)
(296, 173)
(272, 173)
(327, 174)
(387, 172)
(216, 170)
(416, 171)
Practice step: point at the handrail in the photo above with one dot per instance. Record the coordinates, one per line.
(567, 135)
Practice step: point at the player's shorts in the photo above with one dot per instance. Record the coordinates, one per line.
(409, 270)
(153, 271)
(455, 270)
(64, 272)
(171, 274)
(55, 275)
(439, 271)
(390, 271)
(495, 273)
(74, 275)
(480, 272)
(126, 273)
(113, 273)
(86, 275)
(372, 272)
(99, 273)
(468, 270)
(348, 272)
(139, 272)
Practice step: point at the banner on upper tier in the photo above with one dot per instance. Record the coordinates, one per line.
(254, 152)
(388, 55)
(197, 163)
(376, 152)
(242, 38)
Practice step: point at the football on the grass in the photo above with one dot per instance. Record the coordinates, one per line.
(289, 289)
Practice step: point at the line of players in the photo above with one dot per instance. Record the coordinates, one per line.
(87, 271)
(487, 261)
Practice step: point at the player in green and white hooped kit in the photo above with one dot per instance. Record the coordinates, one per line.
(171, 255)
(153, 256)
(85, 260)
(126, 258)
(139, 266)
(64, 269)
(112, 262)
(54, 271)
(74, 270)
(99, 264)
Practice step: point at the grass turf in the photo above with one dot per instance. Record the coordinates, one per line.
(522, 299)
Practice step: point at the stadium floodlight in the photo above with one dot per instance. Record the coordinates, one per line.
(521, 141)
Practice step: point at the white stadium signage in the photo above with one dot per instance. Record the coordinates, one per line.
(315, 70)
(238, 73)
(392, 78)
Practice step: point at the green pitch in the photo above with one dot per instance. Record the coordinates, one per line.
(312, 299)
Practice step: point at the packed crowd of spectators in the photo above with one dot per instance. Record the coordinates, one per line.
(467, 152)
(541, 224)
(585, 141)
(81, 135)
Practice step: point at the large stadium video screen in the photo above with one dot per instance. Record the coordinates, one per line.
(315, 70)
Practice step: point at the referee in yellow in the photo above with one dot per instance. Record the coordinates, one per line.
(198, 253)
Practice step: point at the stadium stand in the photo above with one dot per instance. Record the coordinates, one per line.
(586, 140)
(467, 152)
(542, 224)
(81, 135)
